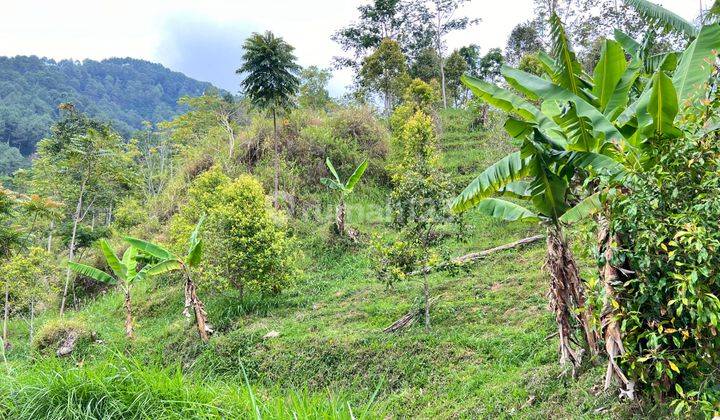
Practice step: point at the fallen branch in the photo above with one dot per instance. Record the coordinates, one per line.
(409, 318)
(480, 255)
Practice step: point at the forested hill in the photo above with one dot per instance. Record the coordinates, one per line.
(124, 91)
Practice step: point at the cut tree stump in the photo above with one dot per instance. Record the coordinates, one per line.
(68, 345)
(474, 256)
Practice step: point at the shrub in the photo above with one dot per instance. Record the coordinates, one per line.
(670, 229)
(245, 246)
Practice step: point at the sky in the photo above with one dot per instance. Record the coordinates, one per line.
(203, 38)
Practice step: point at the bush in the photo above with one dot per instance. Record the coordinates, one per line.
(670, 226)
(245, 246)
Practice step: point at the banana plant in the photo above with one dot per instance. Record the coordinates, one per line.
(343, 189)
(172, 262)
(125, 274)
(597, 124)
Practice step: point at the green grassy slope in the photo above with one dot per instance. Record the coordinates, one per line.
(487, 355)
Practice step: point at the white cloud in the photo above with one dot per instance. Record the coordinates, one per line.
(175, 32)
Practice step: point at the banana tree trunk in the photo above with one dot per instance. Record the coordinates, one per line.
(129, 332)
(340, 217)
(192, 302)
(567, 295)
(610, 275)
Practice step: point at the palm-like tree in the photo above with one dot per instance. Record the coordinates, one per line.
(125, 270)
(171, 262)
(271, 82)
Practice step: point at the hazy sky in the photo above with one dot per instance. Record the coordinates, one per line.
(202, 38)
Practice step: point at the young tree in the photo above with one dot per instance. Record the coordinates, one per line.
(244, 247)
(171, 262)
(425, 66)
(313, 88)
(385, 71)
(442, 15)
(86, 164)
(343, 189)
(455, 67)
(419, 200)
(33, 275)
(125, 270)
(271, 82)
(9, 238)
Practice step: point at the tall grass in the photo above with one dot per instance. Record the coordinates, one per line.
(122, 388)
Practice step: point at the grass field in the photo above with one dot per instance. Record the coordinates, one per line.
(487, 355)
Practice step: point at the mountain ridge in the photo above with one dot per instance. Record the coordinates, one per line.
(124, 91)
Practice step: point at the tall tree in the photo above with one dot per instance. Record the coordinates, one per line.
(313, 88)
(403, 21)
(524, 39)
(271, 82)
(455, 67)
(385, 72)
(442, 14)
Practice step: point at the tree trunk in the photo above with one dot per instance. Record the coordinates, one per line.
(610, 275)
(71, 256)
(32, 320)
(567, 295)
(192, 302)
(442, 80)
(128, 316)
(276, 163)
(50, 232)
(340, 217)
(426, 297)
(6, 316)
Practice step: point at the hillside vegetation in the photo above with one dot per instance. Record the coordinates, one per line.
(124, 91)
(494, 242)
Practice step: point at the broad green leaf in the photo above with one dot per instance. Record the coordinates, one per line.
(620, 96)
(331, 184)
(505, 210)
(332, 169)
(508, 169)
(537, 87)
(129, 260)
(598, 163)
(548, 190)
(164, 267)
(501, 98)
(194, 254)
(517, 189)
(630, 45)
(355, 177)
(112, 260)
(196, 233)
(608, 72)
(666, 61)
(568, 69)
(691, 76)
(91, 272)
(663, 17)
(663, 106)
(582, 210)
(150, 248)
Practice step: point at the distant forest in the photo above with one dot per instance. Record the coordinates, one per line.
(123, 91)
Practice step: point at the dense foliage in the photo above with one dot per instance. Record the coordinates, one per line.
(123, 91)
